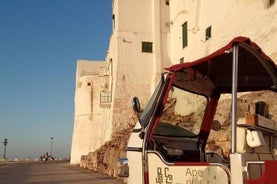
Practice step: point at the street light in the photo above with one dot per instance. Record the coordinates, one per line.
(5, 145)
(51, 148)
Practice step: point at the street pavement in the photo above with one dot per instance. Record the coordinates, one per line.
(50, 172)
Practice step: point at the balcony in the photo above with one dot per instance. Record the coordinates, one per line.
(105, 99)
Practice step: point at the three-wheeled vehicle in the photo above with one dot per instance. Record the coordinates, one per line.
(167, 146)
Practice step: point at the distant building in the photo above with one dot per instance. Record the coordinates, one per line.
(149, 35)
(88, 115)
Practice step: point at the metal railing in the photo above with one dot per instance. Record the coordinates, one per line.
(105, 98)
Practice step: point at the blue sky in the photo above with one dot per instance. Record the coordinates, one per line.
(40, 42)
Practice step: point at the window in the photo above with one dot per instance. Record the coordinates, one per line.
(208, 33)
(166, 2)
(181, 60)
(147, 47)
(185, 34)
(178, 121)
(113, 21)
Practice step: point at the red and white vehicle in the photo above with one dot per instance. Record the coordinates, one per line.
(167, 146)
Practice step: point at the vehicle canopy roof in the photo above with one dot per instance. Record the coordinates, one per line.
(213, 73)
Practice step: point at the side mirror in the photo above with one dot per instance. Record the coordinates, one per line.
(136, 108)
(136, 104)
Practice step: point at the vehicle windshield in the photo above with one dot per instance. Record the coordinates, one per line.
(182, 115)
(149, 107)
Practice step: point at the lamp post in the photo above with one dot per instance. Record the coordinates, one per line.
(51, 148)
(5, 145)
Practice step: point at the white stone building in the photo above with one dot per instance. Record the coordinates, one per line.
(149, 35)
(88, 132)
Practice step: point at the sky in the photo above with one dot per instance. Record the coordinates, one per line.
(40, 43)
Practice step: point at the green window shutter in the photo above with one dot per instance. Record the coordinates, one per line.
(185, 34)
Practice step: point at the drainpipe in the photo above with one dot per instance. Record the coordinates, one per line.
(157, 43)
(195, 29)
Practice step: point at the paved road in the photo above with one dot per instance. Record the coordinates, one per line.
(50, 172)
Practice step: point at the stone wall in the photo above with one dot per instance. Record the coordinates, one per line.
(220, 141)
(104, 159)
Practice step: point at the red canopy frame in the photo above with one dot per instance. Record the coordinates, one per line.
(256, 71)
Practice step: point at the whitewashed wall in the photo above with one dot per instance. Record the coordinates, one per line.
(88, 117)
(228, 18)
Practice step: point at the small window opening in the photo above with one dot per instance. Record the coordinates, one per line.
(113, 21)
(181, 60)
(208, 33)
(147, 47)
